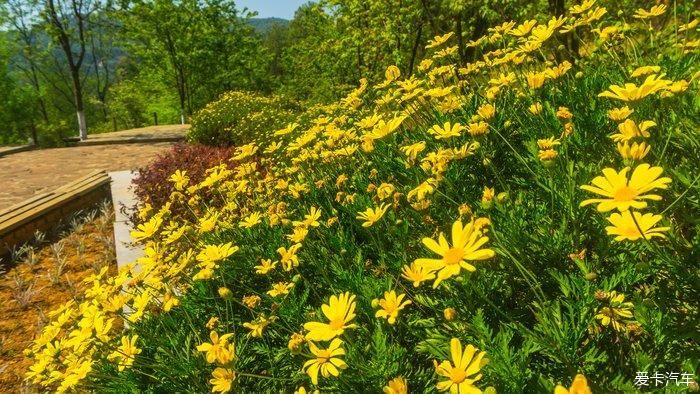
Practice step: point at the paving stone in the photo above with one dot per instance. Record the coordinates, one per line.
(25, 174)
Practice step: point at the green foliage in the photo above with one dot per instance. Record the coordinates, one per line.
(16, 101)
(202, 48)
(237, 118)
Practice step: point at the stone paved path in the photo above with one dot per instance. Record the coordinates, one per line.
(25, 174)
(167, 132)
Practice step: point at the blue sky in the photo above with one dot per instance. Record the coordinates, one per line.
(272, 8)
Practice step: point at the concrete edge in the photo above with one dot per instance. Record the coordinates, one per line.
(120, 141)
(17, 149)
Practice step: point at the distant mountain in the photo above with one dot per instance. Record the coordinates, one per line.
(262, 25)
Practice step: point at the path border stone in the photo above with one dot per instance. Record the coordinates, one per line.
(119, 141)
(43, 212)
(122, 196)
(6, 151)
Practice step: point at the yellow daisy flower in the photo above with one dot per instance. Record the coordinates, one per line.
(632, 92)
(628, 227)
(326, 360)
(466, 244)
(339, 311)
(126, 352)
(390, 306)
(621, 193)
(266, 265)
(463, 371)
(447, 130)
(280, 289)
(398, 385)
(578, 386)
(656, 10)
(371, 216)
(620, 114)
(221, 380)
(634, 151)
(219, 350)
(416, 274)
(618, 313)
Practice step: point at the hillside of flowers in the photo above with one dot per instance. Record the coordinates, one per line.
(525, 223)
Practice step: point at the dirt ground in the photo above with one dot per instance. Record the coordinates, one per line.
(37, 285)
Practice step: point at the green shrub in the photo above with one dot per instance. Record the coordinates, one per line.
(241, 117)
(52, 135)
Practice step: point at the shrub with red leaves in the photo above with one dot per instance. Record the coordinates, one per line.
(152, 184)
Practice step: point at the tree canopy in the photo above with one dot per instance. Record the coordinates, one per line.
(119, 62)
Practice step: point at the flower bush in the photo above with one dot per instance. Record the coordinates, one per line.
(522, 223)
(168, 173)
(237, 118)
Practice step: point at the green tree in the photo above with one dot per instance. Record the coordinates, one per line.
(68, 22)
(16, 102)
(203, 47)
(311, 65)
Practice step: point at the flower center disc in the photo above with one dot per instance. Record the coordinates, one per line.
(324, 355)
(457, 375)
(453, 256)
(625, 194)
(631, 231)
(337, 324)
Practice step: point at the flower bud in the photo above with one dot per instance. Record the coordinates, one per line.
(449, 313)
(295, 342)
(464, 210)
(600, 295)
(591, 276)
(502, 197)
(693, 387)
(225, 293)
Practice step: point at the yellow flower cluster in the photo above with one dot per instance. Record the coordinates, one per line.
(620, 192)
(293, 181)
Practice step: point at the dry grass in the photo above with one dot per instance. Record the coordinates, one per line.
(44, 278)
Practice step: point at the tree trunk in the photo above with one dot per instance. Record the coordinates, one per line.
(557, 7)
(429, 16)
(35, 139)
(58, 18)
(480, 29)
(416, 44)
(78, 97)
(37, 89)
(460, 40)
(82, 126)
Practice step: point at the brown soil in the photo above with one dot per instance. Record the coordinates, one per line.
(86, 250)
